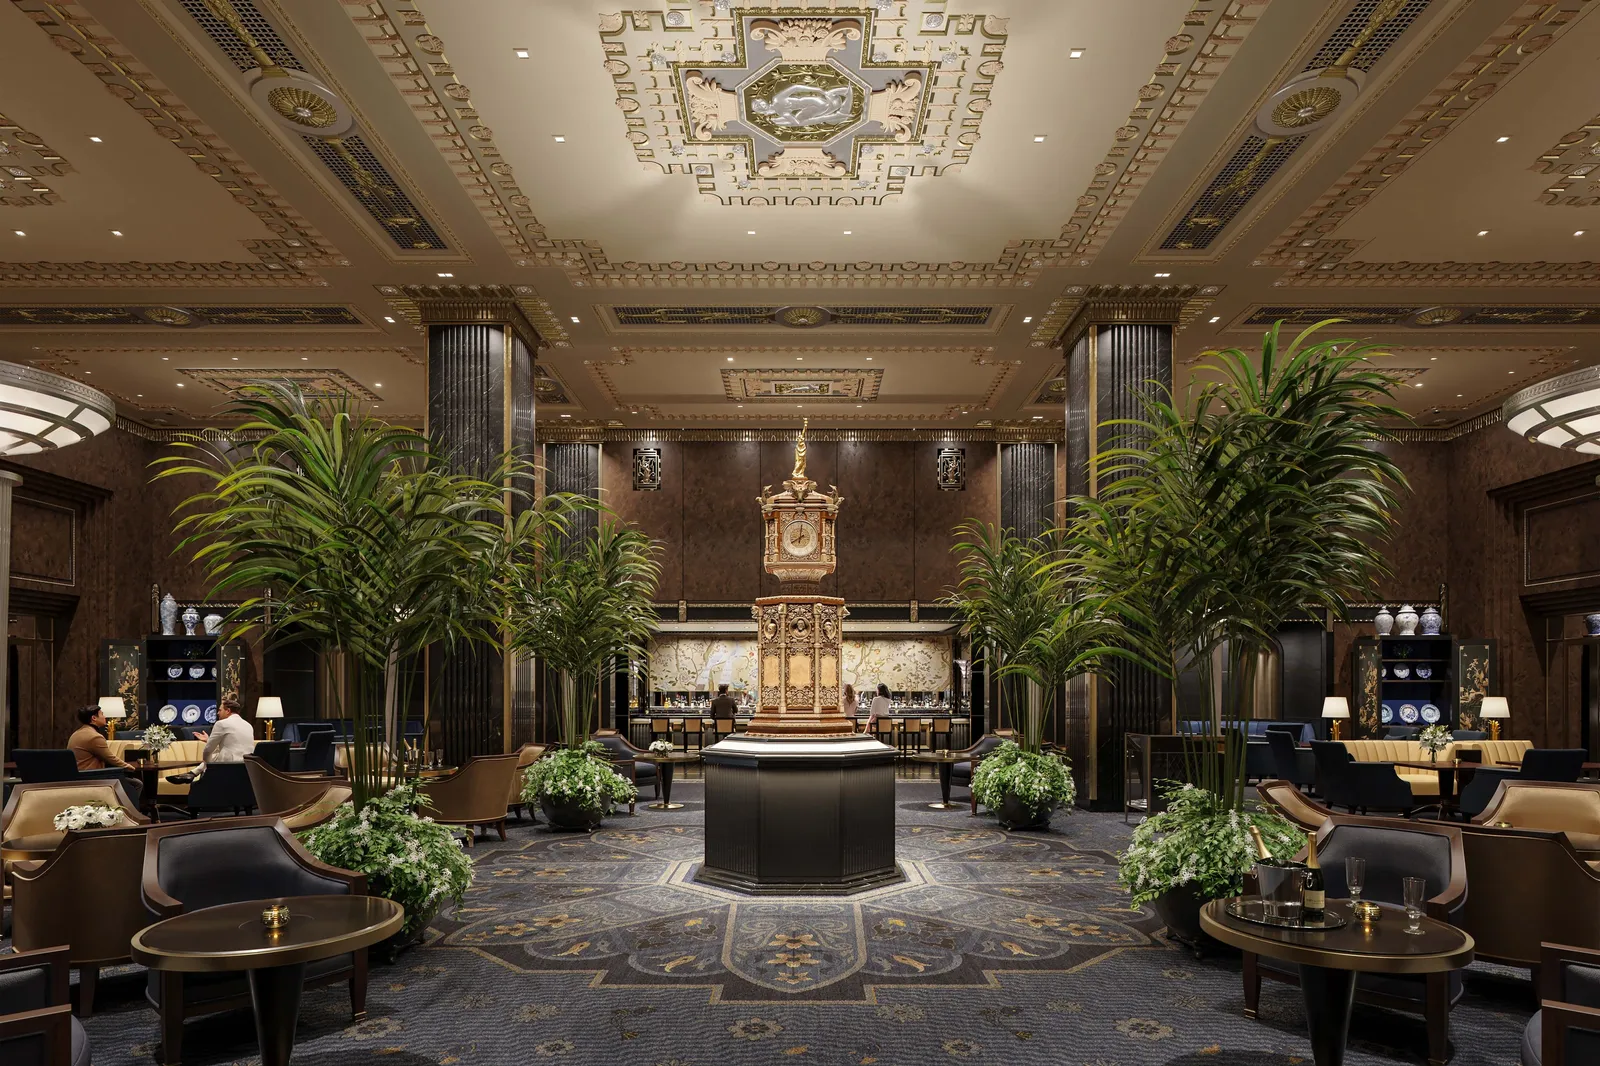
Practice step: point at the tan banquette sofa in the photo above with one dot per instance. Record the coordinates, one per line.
(180, 751)
(1426, 782)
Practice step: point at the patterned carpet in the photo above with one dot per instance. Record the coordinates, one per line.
(999, 948)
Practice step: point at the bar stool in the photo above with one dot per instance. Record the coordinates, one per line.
(722, 727)
(659, 728)
(885, 730)
(694, 727)
(911, 735)
(941, 731)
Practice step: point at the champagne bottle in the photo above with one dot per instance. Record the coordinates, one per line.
(1263, 856)
(1316, 896)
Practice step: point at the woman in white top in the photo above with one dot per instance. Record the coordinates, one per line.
(878, 708)
(850, 706)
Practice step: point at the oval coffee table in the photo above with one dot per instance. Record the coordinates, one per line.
(231, 937)
(1329, 960)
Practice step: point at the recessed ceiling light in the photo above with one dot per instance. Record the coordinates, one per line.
(574, 318)
(1501, 140)
(1075, 53)
(94, 139)
(1483, 233)
(118, 233)
(445, 274)
(799, 358)
(749, 233)
(88, 371)
(1167, 274)
(140, 395)
(180, 384)
(388, 318)
(377, 384)
(1458, 396)
(799, 405)
(164, 358)
(847, 233)
(236, 359)
(1038, 418)
(566, 416)
(1577, 233)
(1433, 358)
(738, 405)
(1039, 139)
(520, 53)
(1026, 319)
(1510, 371)
(730, 358)
(19, 233)
(305, 359)
(1216, 318)
(858, 405)
(559, 139)
(1418, 385)
(869, 358)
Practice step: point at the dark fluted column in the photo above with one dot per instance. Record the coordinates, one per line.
(480, 406)
(1115, 349)
(1028, 487)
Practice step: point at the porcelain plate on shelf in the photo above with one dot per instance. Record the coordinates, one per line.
(1430, 713)
(210, 712)
(1408, 714)
(191, 714)
(1402, 671)
(174, 672)
(168, 713)
(197, 671)
(1424, 672)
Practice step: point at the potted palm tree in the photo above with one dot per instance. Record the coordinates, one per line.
(1261, 494)
(1031, 607)
(577, 606)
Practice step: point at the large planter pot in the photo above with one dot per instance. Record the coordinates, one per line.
(570, 817)
(1179, 908)
(1016, 813)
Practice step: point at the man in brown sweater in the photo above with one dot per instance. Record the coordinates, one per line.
(86, 743)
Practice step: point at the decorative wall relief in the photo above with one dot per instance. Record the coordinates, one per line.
(953, 469)
(647, 469)
(700, 664)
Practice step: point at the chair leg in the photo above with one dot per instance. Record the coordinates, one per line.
(1438, 1017)
(358, 986)
(1252, 984)
(501, 827)
(88, 980)
(171, 1018)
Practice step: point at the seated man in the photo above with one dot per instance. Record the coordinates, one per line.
(230, 740)
(89, 747)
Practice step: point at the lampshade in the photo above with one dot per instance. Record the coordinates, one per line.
(40, 411)
(1563, 412)
(1494, 707)
(113, 707)
(269, 707)
(1335, 707)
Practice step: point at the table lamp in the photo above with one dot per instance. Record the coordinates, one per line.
(269, 708)
(1336, 709)
(113, 708)
(1492, 710)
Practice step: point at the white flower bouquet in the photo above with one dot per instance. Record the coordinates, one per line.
(158, 738)
(661, 747)
(88, 816)
(1433, 739)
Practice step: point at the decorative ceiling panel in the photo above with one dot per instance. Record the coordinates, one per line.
(778, 105)
(1425, 316)
(818, 385)
(804, 317)
(273, 317)
(24, 160)
(325, 383)
(1576, 159)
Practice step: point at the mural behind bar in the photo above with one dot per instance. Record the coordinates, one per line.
(700, 664)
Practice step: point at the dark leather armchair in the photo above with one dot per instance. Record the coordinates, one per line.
(1528, 886)
(1296, 765)
(316, 756)
(624, 756)
(961, 772)
(474, 795)
(43, 765)
(275, 753)
(85, 896)
(276, 792)
(1552, 764)
(1394, 850)
(225, 786)
(1480, 789)
(1289, 801)
(190, 865)
(1345, 782)
(36, 1023)
(1468, 734)
(1566, 1029)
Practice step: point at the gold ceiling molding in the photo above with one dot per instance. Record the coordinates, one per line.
(419, 304)
(818, 385)
(288, 260)
(803, 105)
(24, 160)
(1193, 59)
(1441, 434)
(1052, 388)
(591, 432)
(1541, 363)
(1575, 157)
(948, 413)
(315, 383)
(1308, 251)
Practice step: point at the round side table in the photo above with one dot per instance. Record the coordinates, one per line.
(664, 765)
(946, 760)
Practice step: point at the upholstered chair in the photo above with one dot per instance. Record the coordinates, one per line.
(1293, 764)
(1566, 1030)
(1289, 801)
(316, 756)
(1344, 782)
(1570, 807)
(1393, 850)
(190, 865)
(474, 795)
(27, 822)
(1528, 886)
(36, 1023)
(225, 786)
(277, 792)
(623, 757)
(527, 755)
(961, 771)
(1552, 764)
(86, 896)
(275, 753)
(319, 810)
(1480, 789)
(43, 765)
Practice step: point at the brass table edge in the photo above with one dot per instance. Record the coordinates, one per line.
(221, 962)
(1334, 958)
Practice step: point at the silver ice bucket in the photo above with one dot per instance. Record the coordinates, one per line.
(1283, 890)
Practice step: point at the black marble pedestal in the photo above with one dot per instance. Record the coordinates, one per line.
(788, 816)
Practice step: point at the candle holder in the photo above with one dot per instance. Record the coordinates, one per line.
(1366, 910)
(275, 917)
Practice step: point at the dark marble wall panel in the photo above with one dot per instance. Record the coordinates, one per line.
(940, 511)
(877, 520)
(659, 512)
(721, 521)
(1027, 488)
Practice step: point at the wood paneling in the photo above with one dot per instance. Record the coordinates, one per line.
(721, 523)
(876, 521)
(658, 512)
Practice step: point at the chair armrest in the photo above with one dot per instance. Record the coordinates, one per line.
(52, 1022)
(1558, 1017)
(630, 766)
(56, 960)
(1551, 956)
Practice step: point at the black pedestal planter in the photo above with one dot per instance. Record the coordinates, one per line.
(1016, 813)
(571, 817)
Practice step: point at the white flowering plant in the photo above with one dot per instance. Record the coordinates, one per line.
(408, 858)
(159, 738)
(88, 816)
(1433, 738)
(1036, 778)
(1198, 841)
(580, 776)
(661, 747)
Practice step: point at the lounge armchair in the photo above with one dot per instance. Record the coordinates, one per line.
(961, 772)
(1363, 786)
(624, 757)
(1552, 764)
(277, 792)
(225, 786)
(1289, 801)
(85, 896)
(527, 755)
(1528, 886)
(1393, 851)
(318, 810)
(190, 865)
(474, 795)
(1569, 807)
(316, 756)
(1565, 1031)
(1293, 764)
(36, 1023)
(28, 820)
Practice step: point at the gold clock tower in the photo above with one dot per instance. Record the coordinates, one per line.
(798, 634)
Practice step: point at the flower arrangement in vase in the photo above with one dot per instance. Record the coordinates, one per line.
(661, 747)
(158, 738)
(1433, 739)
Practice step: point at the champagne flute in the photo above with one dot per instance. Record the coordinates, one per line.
(1414, 888)
(1355, 874)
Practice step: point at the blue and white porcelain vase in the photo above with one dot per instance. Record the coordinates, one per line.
(1405, 621)
(1591, 624)
(169, 616)
(1383, 622)
(1431, 621)
(191, 618)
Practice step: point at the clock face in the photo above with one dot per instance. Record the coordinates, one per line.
(799, 538)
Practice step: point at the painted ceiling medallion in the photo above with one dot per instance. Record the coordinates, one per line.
(783, 106)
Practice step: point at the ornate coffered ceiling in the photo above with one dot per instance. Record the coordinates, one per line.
(900, 204)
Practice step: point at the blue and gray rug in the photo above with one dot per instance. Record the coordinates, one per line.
(1013, 949)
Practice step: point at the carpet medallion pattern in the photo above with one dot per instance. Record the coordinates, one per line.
(622, 904)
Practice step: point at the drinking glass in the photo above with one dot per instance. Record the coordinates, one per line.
(1414, 888)
(1355, 873)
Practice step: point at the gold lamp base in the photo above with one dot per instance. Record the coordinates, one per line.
(1494, 729)
(1336, 729)
(271, 728)
(111, 730)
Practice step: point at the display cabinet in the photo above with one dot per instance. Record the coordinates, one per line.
(1417, 681)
